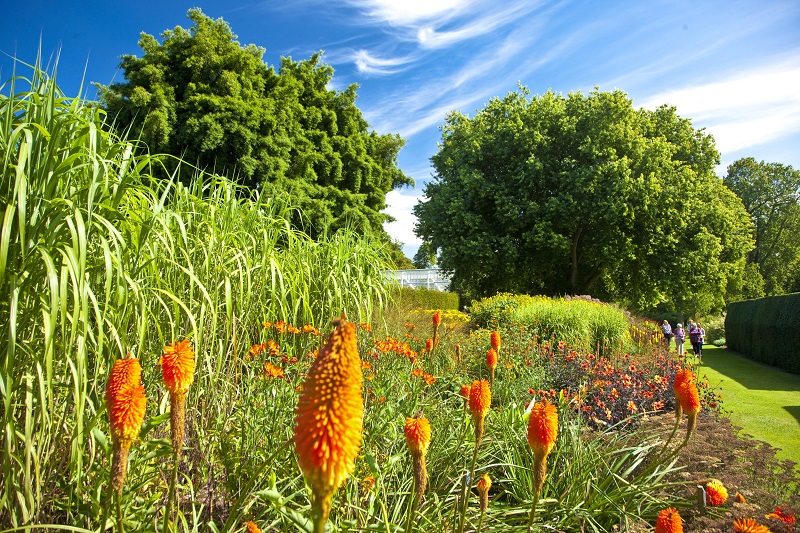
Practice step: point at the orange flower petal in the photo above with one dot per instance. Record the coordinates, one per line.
(716, 493)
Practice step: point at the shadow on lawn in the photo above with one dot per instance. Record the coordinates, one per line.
(751, 374)
(793, 410)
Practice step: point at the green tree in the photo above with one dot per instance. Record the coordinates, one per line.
(770, 192)
(583, 194)
(201, 96)
(425, 256)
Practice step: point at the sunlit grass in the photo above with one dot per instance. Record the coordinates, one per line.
(763, 400)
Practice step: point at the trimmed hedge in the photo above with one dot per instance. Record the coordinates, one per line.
(411, 298)
(766, 330)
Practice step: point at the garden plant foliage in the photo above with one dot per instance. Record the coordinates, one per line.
(99, 260)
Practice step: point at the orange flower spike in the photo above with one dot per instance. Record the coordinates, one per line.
(418, 437)
(429, 345)
(125, 402)
(682, 378)
(716, 493)
(542, 433)
(483, 485)
(494, 339)
(177, 370)
(491, 363)
(669, 521)
(480, 401)
(177, 366)
(437, 319)
(691, 406)
(329, 418)
(465, 390)
(749, 525)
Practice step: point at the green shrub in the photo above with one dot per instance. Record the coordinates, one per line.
(422, 298)
(496, 311)
(766, 330)
(715, 329)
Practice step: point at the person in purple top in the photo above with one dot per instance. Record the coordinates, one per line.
(697, 337)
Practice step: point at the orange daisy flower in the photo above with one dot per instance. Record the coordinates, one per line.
(716, 493)
(125, 402)
(749, 525)
(669, 521)
(329, 417)
(783, 516)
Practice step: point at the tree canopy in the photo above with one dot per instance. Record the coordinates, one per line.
(770, 192)
(584, 195)
(201, 96)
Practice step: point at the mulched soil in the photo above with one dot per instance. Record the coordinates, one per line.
(746, 466)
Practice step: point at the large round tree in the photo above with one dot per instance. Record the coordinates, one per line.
(584, 194)
(201, 96)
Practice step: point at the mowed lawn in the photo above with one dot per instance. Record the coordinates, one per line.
(761, 399)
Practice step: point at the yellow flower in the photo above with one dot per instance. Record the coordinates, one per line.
(329, 417)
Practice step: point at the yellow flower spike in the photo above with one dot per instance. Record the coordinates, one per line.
(329, 418)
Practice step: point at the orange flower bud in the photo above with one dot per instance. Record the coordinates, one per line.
(483, 485)
(480, 401)
(437, 319)
(494, 339)
(491, 359)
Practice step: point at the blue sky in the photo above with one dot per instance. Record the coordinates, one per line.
(733, 67)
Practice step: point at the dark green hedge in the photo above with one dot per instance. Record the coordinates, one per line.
(766, 330)
(410, 298)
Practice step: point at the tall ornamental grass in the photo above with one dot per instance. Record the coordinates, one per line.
(580, 322)
(98, 260)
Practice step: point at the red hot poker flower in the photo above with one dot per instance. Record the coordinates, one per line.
(329, 417)
(125, 402)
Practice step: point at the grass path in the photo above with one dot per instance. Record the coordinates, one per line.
(761, 399)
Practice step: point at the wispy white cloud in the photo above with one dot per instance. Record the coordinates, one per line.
(368, 64)
(411, 12)
(481, 23)
(744, 109)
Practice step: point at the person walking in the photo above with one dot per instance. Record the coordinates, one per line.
(667, 330)
(697, 337)
(680, 337)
